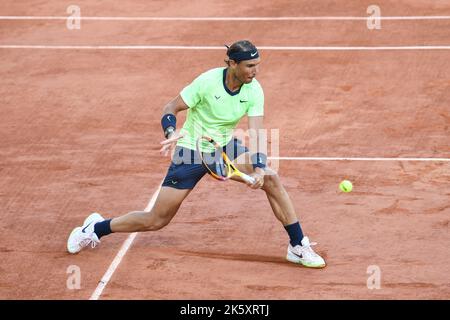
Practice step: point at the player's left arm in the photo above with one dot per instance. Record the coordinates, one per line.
(257, 147)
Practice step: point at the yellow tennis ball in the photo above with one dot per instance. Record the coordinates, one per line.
(346, 186)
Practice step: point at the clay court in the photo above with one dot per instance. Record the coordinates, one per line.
(80, 132)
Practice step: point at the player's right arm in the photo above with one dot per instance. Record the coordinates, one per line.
(170, 112)
(175, 106)
(188, 98)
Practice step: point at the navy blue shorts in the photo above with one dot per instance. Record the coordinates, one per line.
(187, 169)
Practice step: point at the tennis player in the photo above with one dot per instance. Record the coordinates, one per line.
(215, 102)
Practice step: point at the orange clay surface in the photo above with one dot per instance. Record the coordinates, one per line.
(80, 132)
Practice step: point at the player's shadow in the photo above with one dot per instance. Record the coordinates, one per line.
(236, 257)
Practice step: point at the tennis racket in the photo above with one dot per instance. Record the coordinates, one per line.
(219, 166)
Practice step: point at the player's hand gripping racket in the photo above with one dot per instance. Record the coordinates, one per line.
(219, 166)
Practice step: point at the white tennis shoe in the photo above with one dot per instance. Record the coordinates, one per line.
(305, 255)
(81, 237)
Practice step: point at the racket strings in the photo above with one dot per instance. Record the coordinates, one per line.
(215, 161)
(221, 167)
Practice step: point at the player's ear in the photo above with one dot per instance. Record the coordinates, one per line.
(232, 63)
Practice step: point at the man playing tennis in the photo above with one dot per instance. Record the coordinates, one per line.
(216, 101)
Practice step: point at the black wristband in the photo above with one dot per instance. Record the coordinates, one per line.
(168, 120)
(259, 160)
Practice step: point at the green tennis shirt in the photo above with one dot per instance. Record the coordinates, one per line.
(214, 110)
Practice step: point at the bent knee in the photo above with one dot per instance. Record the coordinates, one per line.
(155, 225)
(271, 178)
(157, 222)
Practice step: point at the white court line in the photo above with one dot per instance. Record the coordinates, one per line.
(330, 18)
(357, 159)
(118, 259)
(167, 47)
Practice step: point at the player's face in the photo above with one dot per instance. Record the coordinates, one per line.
(246, 70)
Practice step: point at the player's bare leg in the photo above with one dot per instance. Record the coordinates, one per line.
(166, 206)
(95, 226)
(279, 199)
(276, 193)
(299, 249)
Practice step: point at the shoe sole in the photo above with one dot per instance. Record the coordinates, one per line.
(68, 241)
(297, 260)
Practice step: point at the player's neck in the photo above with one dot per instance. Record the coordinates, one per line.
(232, 83)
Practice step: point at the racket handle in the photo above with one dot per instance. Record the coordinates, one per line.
(248, 179)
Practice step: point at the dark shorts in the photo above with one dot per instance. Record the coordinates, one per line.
(187, 169)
